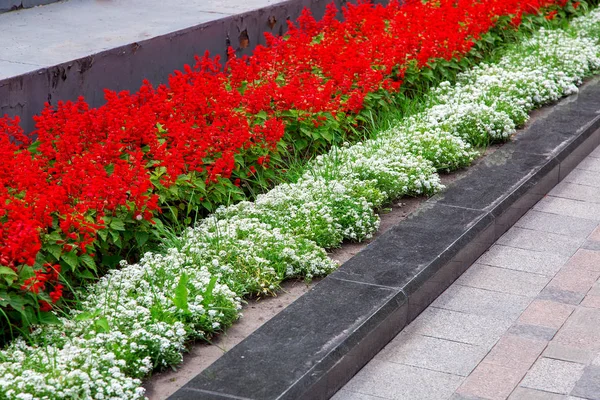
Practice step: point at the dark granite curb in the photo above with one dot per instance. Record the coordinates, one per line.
(313, 347)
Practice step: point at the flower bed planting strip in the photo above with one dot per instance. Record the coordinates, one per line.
(320, 341)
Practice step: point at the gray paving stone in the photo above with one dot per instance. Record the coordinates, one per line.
(590, 164)
(466, 328)
(595, 153)
(569, 207)
(561, 296)
(595, 290)
(581, 330)
(482, 302)
(546, 242)
(583, 177)
(588, 386)
(591, 301)
(522, 393)
(399, 382)
(559, 224)
(433, 353)
(523, 260)
(458, 396)
(348, 395)
(560, 351)
(532, 331)
(591, 245)
(504, 280)
(573, 191)
(553, 376)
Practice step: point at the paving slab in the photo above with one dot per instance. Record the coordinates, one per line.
(554, 376)
(581, 330)
(590, 164)
(380, 378)
(584, 177)
(560, 224)
(493, 382)
(586, 259)
(568, 353)
(481, 302)
(535, 332)
(573, 191)
(523, 260)
(511, 351)
(591, 301)
(575, 278)
(458, 326)
(561, 296)
(550, 243)
(348, 395)
(503, 280)
(433, 353)
(588, 386)
(522, 393)
(546, 313)
(569, 207)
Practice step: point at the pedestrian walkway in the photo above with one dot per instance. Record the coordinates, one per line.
(522, 323)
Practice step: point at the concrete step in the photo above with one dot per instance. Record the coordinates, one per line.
(79, 47)
(11, 5)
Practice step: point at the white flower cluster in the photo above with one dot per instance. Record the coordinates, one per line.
(490, 100)
(69, 372)
(138, 318)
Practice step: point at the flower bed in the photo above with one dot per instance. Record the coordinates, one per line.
(139, 317)
(96, 182)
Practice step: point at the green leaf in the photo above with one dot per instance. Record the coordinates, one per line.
(116, 237)
(101, 325)
(181, 293)
(86, 274)
(117, 225)
(88, 261)
(54, 236)
(8, 274)
(141, 238)
(103, 234)
(33, 147)
(208, 295)
(55, 250)
(71, 259)
(16, 302)
(48, 318)
(262, 114)
(110, 168)
(84, 316)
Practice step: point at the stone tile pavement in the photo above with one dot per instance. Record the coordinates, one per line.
(523, 323)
